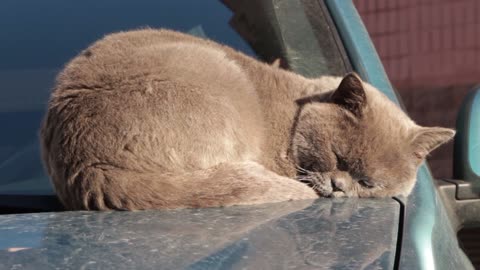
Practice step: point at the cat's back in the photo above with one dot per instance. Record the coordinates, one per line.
(125, 58)
(163, 96)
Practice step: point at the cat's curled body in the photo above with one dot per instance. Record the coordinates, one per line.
(160, 119)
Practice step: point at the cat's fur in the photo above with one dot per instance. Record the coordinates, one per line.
(159, 119)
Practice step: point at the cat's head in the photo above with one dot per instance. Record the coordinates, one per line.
(353, 141)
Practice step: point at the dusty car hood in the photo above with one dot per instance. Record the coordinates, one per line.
(326, 233)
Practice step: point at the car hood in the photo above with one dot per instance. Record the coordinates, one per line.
(325, 233)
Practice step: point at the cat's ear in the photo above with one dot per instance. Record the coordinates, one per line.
(427, 139)
(350, 94)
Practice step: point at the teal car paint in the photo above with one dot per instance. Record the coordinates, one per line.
(324, 234)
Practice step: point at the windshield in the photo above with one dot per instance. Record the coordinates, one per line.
(38, 38)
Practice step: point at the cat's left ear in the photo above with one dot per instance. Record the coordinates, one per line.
(426, 139)
(350, 94)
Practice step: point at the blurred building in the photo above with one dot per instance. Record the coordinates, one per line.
(431, 52)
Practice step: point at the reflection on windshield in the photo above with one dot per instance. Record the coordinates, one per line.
(38, 38)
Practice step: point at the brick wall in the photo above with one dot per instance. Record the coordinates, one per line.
(431, 52)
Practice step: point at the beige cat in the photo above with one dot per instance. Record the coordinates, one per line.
(159, 119)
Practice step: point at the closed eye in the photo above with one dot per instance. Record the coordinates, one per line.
(366, 183)
(341, 163)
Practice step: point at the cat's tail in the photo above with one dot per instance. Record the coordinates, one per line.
(103, 187)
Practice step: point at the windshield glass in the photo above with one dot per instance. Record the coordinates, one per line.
(38, 38)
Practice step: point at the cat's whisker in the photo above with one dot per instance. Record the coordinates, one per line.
(304, 178)
(301, 170)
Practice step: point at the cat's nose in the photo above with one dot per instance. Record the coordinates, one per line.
(337, 184)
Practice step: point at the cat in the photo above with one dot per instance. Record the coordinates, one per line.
(160, 119)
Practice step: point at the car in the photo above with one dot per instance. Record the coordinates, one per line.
(310, 37)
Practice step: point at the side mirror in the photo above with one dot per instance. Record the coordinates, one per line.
(467, 142)
(462, 194)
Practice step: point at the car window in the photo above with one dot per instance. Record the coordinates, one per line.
(38, 38)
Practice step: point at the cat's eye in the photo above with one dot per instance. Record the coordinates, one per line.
(306, 168)
(366, 183)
